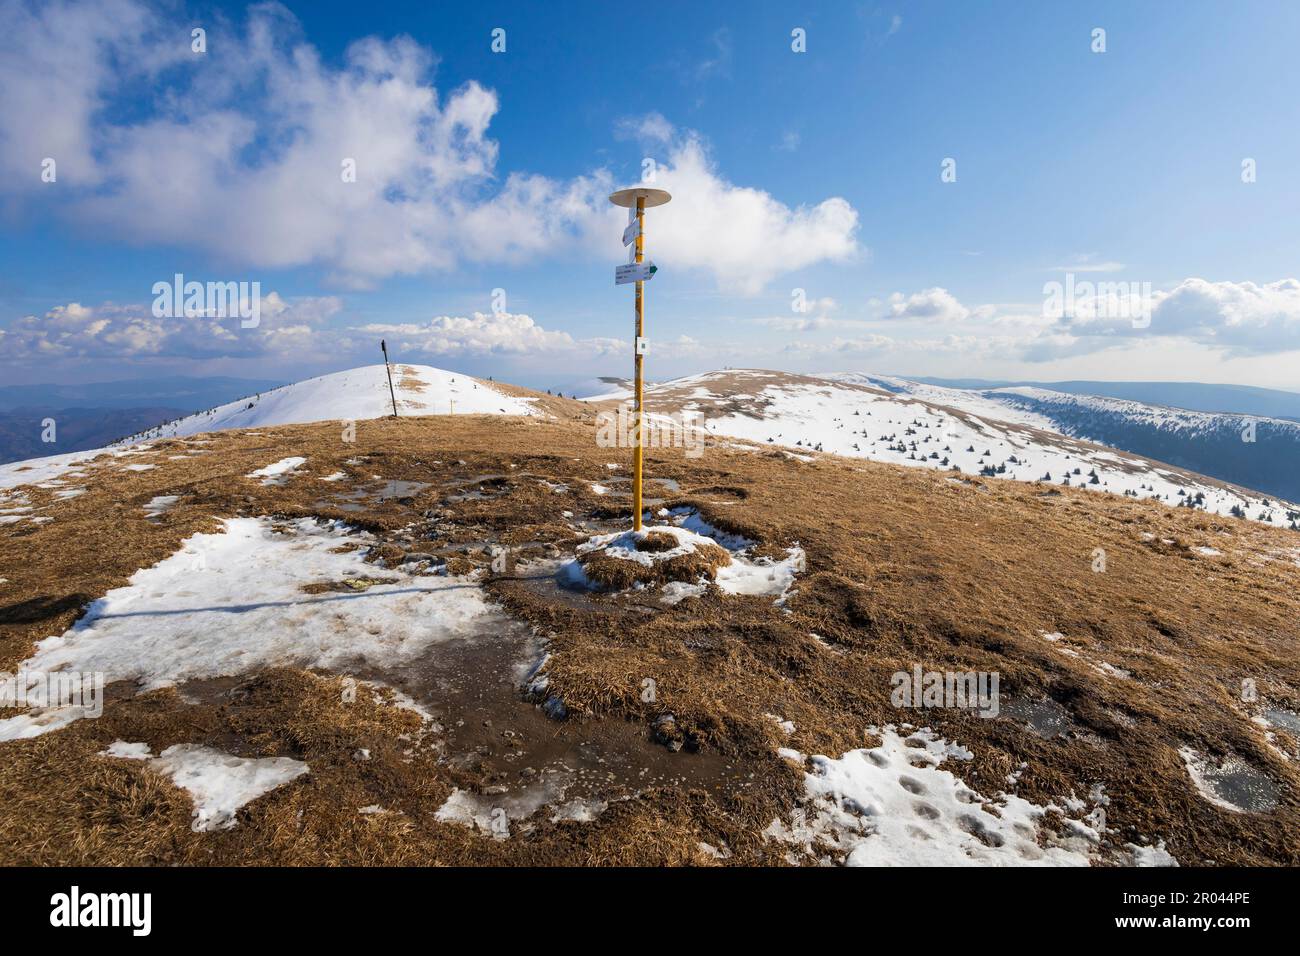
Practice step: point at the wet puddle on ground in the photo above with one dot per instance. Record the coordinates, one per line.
(363, 496)
(1284, 720)
(507, 757)
(543, 578)
(509, 754)
(1232, 784)
(1045, 718)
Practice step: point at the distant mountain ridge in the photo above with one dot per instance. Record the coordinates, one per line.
(23, 430)
(927, 426)
(1250, 450)
(92, 414)
(1193, 396)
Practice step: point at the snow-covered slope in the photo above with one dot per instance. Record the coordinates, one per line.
(356, 394)
(1253, 451)
(884, 419)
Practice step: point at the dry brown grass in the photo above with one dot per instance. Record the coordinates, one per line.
(615, 573)
(904, 567)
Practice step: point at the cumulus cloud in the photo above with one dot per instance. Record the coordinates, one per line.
(247, 152)
(298, 329)
(1242, 318)
(652, 127)
(930, 304)
(1080, 318)
(494, 333)
(134, 332)
(1239, 316)
(57, 73)
(745, 236)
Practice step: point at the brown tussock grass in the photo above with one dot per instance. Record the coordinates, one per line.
(617, 573)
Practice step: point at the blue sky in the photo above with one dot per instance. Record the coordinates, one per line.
(817, 171)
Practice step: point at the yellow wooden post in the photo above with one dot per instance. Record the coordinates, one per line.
(638, 199)
(637, 455)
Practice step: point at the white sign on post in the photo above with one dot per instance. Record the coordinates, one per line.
(632, 231)
(635, 272)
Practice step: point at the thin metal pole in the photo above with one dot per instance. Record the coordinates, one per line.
(384, 346)
(640, 332)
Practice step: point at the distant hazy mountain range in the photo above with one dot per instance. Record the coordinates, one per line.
(177, 391)
(1238, 399)
(92, 414)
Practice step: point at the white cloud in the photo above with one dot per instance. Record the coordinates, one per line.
(719, 62)
(1238, 317)
(744, 236)
(650, 128)
(930, 304)
(56, 75)
(134, 332)
(495, 333)
(1085, 264)
(240, 152)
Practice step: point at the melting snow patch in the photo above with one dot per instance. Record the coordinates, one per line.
(892, 805)
(579, 810)
(127, 751)
(708, 849)
(675, 592)
(787, 726)
(493, 814)
(219, 783)
(279, 472)
(160, 503)
(623, 544)
(37, 470)
(762, 575)
(232, 602)
(744, 575)
(1151, 855)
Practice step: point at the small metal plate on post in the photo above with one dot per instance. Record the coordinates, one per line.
(642, 345)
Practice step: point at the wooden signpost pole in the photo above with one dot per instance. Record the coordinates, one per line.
(639, 362)
(639, 271)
